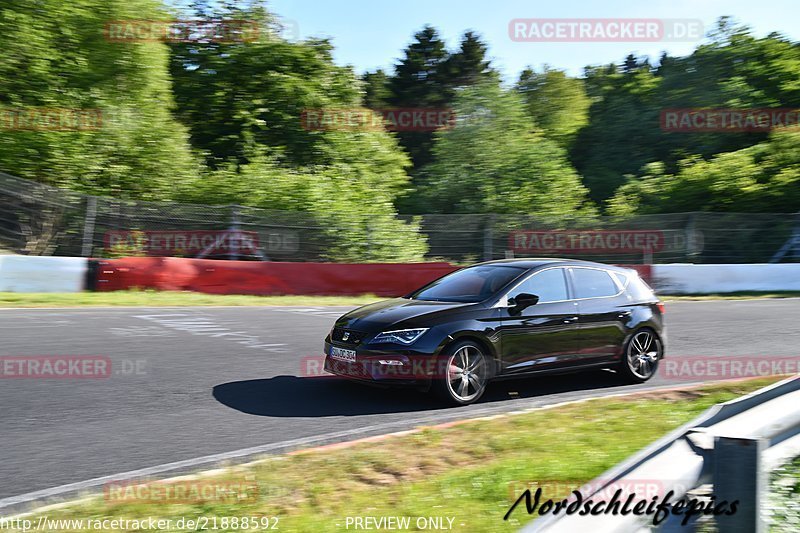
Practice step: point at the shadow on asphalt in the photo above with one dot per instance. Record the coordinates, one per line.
(291, 396)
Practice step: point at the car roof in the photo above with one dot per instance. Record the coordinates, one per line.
(536, 262)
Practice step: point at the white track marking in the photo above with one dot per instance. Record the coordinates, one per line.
(196, 324)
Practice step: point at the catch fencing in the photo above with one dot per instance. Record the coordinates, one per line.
(37, 219)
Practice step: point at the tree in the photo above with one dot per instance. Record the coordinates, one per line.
(759, 178)
(239, 97)
(419, 81)
(623, 130)
(467, 66)
(493, 162)
(377, 94)
(351, 204)
(244, 101)
(558, 104)
(733, 70)
(55, 55)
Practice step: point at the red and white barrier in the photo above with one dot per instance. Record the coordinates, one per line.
(265, 278)
(74, 274)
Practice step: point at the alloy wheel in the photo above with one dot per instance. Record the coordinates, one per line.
(466, 373)
(644, 350)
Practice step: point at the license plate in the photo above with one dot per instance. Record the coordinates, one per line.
(343, 354)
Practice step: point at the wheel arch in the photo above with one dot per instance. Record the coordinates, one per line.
(642, 327)
(472, 336)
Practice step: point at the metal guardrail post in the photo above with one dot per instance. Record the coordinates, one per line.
(738, 476)
(488, 238)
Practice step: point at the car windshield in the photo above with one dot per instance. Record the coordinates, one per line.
(473, 284)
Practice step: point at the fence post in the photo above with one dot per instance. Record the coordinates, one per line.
(88, 226)
(368, 229)
(234, 229)
(488, 238)
(689, 237)
(792, 244)
(738, 475)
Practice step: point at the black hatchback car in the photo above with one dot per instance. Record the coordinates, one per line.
(514, 317)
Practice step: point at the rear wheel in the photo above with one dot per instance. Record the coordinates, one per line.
(465, 374)
(641, 355)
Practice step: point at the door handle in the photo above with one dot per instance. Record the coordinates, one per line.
(625, 314)
(570, 320)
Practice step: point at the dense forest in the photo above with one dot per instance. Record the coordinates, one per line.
(219, 122)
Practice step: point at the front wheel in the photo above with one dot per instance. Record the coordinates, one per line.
(641, 355)
(465, 374)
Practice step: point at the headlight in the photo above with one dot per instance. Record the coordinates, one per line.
(403, 336)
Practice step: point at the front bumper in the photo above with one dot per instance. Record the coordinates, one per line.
(411, 368)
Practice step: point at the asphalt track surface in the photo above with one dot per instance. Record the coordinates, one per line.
(188, 383)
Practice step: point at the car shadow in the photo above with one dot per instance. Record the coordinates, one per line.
(291, 396)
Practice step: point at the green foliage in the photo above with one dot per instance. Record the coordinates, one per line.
(623, 130)
(493, 162)
(376, 89)
(429, 76)
(55, 55)
(558, 104)
(782, 511)
(760, 178)
(419, 81)
(351, 202)
(244, 102)
(733, 70)
(239, 97)
(220, 123)
(467, 66)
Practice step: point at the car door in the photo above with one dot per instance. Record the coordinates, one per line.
(603, 310)
(543, 335)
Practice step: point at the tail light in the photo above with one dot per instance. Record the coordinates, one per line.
(660, 306)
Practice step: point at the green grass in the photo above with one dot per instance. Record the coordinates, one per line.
(148, 298)
(467, 471)
(782, 510)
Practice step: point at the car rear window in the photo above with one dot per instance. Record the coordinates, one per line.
(636, 287)
(591, 283)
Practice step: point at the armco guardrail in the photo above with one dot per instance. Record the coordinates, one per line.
(19, 273)
(730, 447)
(691, 279)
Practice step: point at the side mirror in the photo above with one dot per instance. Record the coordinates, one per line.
(522, 301)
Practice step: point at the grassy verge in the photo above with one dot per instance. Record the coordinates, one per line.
(782, 511)
(466, 472)
(140, 298)
(148, 298)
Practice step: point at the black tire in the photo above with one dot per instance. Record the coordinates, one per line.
(641, 355)
(457, 386)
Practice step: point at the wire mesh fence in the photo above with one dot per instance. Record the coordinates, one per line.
(37, 219)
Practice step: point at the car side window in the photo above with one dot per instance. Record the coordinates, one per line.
(590, 283)
(549, 285)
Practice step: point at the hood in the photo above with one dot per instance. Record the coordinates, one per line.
(385, 314)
